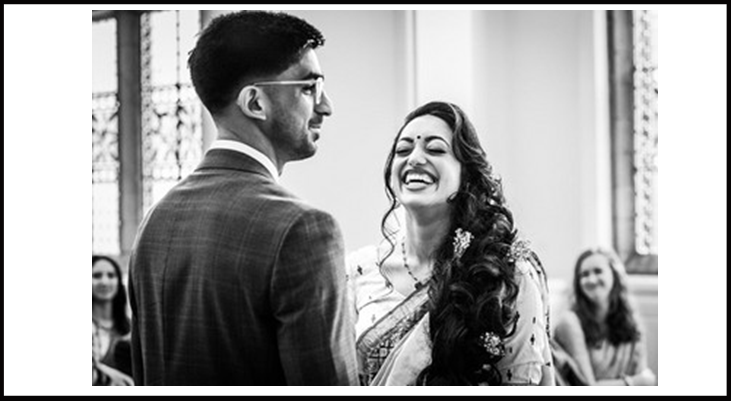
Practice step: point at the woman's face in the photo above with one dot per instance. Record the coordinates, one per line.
(596, 278)
(425, 172)
(104, 281)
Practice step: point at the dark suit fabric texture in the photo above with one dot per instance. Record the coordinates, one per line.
(235, 281)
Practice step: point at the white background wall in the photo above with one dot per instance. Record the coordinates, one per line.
(363, 60)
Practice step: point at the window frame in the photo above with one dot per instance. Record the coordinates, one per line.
(130, 125)
(621, 76)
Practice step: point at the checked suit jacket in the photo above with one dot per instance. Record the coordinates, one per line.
(235, 281)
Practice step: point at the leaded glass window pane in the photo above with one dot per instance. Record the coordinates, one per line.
(105, 139)
(172, 136)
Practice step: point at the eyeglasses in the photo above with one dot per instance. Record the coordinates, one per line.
(318, 85)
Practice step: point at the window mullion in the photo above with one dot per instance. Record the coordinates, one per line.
(130, 149)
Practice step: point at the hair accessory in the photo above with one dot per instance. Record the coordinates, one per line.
(493, 344)
(519, 250)
(462, 240)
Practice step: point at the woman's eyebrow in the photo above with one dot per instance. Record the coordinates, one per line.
(433, 137)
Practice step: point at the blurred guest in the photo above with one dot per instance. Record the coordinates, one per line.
(109, 314)
(601, 331)
(101, 374)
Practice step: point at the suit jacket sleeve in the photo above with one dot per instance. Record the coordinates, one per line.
(309, 299)
(136, 346)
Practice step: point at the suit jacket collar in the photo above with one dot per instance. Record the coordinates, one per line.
(232, 160)
(247, 150)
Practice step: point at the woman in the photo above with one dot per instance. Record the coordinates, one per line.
(109, 314)
(601, 331)
(101, 374)
(453, 297)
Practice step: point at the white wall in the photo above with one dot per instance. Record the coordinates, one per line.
(546, 129)
(363, 61)
(444, 58)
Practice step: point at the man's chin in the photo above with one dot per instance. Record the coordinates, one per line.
(305, 152)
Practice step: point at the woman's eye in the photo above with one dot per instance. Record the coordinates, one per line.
(402, 151)
(437, 150)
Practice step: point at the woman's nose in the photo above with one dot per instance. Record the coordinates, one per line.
(416, 157)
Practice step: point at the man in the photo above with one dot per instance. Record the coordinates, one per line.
(233, 280)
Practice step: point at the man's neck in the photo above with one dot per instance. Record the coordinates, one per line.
(256, 140)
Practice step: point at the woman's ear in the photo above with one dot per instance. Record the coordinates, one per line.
(252, 103)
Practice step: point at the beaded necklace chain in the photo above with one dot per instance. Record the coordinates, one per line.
(417, 283)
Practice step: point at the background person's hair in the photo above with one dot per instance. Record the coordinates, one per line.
(119, 303)
(621, 317)
(476, 293)
(239, 46)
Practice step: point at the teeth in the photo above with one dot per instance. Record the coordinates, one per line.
(411, 177)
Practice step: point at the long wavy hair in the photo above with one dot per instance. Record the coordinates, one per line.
(119, 302)
(621, 320)
(475, 293)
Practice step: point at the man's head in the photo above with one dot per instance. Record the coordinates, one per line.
(260, 67)
(242, 46)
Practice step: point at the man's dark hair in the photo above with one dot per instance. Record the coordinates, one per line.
(239, 46)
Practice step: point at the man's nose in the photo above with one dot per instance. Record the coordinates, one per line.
(325, 107)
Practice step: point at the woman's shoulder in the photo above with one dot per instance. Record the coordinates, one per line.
(362, 259)
(529, 272)
(568, 324)
(364, 253)
(569, 317)
(526, 260)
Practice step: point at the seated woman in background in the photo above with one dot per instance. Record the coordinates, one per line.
(601, 330)
(101, 374)
(109, 314)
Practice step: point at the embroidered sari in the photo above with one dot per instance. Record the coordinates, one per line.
(393, 344)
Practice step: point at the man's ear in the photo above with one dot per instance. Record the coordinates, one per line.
(252, 103)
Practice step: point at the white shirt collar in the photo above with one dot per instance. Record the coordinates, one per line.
(249, 151)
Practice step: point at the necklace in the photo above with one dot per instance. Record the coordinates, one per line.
(417, 283)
